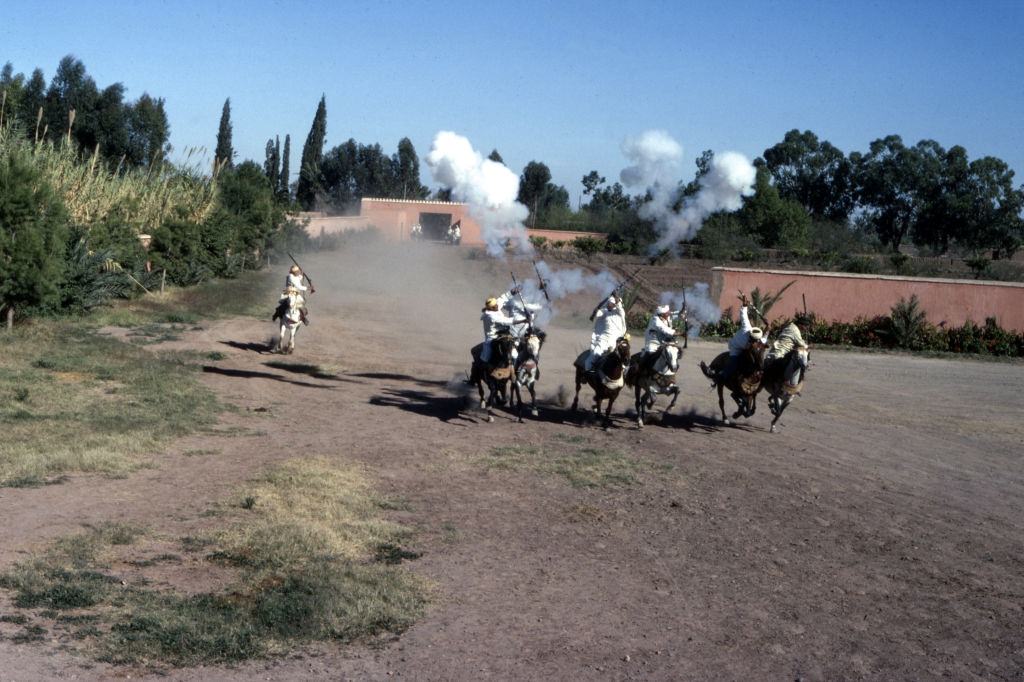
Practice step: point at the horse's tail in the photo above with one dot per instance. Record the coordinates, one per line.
(707, 371)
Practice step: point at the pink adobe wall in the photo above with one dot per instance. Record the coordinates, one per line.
(562, 235)
(395, 217)
(845, 297)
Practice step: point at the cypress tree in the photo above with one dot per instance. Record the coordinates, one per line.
(224, 154)
(270, 166)
(312, 156)
(285, 191)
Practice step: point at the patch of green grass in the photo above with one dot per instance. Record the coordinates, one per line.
(313, 560)
(149, 334)
(252, 294)
(17, 619)
(583, 467)
(92, 403)
(200, 452)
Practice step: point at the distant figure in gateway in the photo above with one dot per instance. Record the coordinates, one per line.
(454, 234)
(417, 232)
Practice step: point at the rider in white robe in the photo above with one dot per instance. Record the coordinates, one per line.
(609, 327)
(494, 321)
(659, 329)
(741, 341)
(513, 305)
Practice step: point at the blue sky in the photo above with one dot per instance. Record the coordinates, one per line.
(558, 82)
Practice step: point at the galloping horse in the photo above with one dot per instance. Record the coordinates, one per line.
(606, 380)
(653, 374)
(290, 311)
(528, 369)
(495, 373)
(744, 384)
(784, 379)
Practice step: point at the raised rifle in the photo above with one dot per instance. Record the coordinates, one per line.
(684, 314)
(312, 289)
(618, 287)
(519, 293)
(543, 284)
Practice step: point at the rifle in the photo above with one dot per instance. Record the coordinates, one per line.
(618, 287)
(543, 285)
(686, 323)
(312, 289)
(519, 293)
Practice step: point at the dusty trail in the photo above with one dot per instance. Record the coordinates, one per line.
(879, 535)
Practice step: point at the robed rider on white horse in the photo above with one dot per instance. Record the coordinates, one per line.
(609, 326)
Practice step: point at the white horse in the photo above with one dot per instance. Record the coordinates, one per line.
(784, 379)
(651, 376)
(528, 369)
(290, 308)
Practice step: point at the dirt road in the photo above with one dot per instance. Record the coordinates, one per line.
(879, 535)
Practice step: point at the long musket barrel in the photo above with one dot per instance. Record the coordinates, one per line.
(543, 286)
(304, 273)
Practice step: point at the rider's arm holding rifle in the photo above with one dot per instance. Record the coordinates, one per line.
(312, 289)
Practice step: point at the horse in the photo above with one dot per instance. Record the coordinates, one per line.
(653, 374)
(606, 380)
(495, 373)
(743, 385)
(291, 313)
(527, 369)
(784, 379)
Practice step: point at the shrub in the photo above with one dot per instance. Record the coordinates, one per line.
(863, 265)
(588, 246)
(539, 243)
(907, 324)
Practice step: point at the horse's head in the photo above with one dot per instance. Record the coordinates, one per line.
(530, 345)
(622, 349)
(671, 352)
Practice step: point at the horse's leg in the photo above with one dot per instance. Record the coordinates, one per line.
(751, 406)
(640, 401)
(492, 387)
(721, 403)
(608, 412)
(477, 376)
(579, 384)
(675, 397)
(782, 406)
(740, 404)
(291, 341)
(280, 341)
(517, 397)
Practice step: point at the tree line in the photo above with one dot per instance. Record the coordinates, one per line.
(810, 195)
(129, 132)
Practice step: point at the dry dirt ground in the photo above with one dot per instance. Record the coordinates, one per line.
(880, 535)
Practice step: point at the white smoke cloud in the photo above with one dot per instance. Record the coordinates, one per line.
(562, 283)
(699, 306)
(656, 159)
(488, 187)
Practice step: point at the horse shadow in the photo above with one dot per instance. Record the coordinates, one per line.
(443, 408)
(691, 421)
(310, 370)
(260, 348)
(389, 376)
(251, 374)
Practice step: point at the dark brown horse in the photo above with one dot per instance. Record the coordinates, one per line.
(496, 373)
(653, 374)
(784, 379)
(744, 383)
(607, 379)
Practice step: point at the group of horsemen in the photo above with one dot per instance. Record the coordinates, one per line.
(511, 314)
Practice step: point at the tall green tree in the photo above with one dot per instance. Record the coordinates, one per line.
(310, 178)
(285, 188)
(224, 154)
(888, 181)
(776, 222)
(339, 169)
(814, 173)
(33, 230)
(272, 164)
(406, 167)
(148, 131)
(539, 194)
(72, 89)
